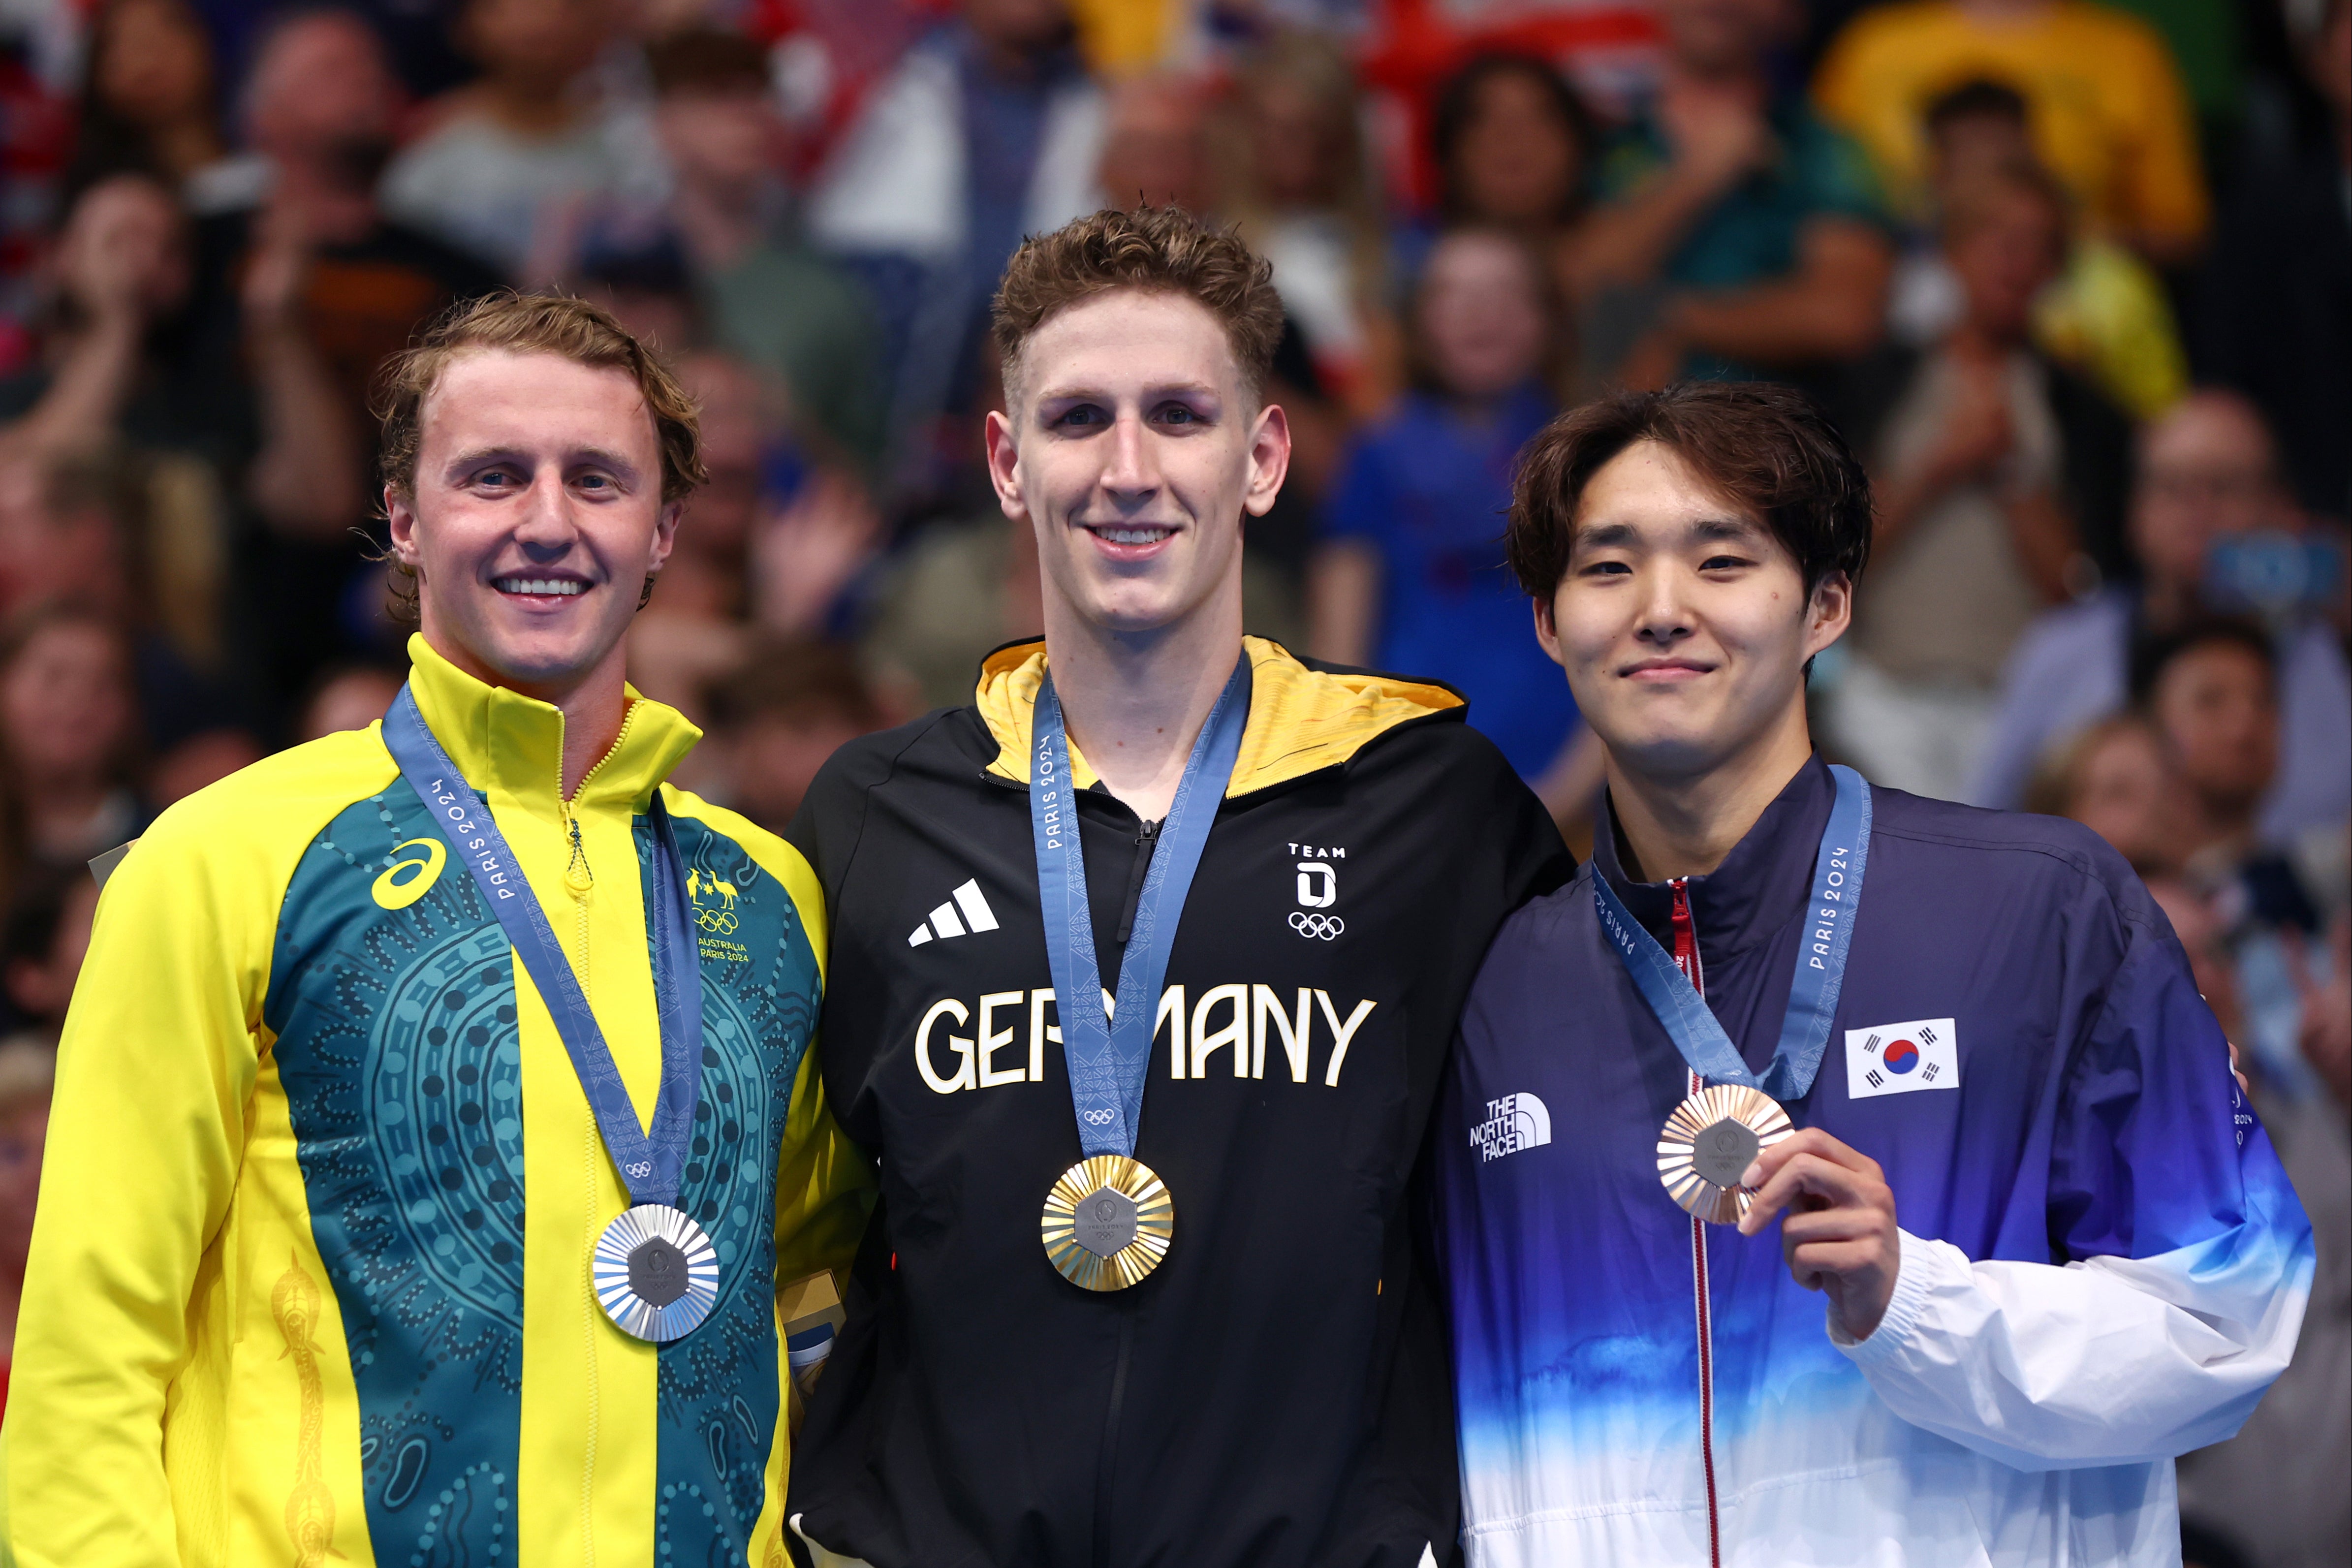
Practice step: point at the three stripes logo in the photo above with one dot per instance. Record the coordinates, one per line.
(965, 912)
(1902, 1059)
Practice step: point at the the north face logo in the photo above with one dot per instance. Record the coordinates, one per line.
(1513, 1122)
(944, 921)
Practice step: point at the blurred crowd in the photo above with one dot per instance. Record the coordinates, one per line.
(2074, 277)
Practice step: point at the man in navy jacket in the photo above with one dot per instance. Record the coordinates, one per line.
(2055, 1245)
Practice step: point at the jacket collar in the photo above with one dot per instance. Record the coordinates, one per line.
(1301, 720)
(507, 743)
(1761, 885)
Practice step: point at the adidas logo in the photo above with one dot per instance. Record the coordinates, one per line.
(943, 921)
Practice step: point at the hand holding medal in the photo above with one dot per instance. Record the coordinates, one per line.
(1714, 1137)
(1839, 1236)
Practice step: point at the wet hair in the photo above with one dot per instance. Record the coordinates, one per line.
(1765, 447)
(1156, 250)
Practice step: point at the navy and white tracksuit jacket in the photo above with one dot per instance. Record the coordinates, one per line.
(2103, 1265)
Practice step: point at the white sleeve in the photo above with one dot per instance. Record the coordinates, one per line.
(2111, 1361)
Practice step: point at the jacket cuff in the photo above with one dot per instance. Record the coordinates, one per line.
(1923, 1266)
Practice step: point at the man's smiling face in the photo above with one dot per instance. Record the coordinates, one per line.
(536, 516)
(1133, 447)
(1682, 621)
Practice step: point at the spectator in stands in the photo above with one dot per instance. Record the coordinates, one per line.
(350, 283)
(126, 358)
(778, 719)
(27, 1072)
(2115, 779)
(523, 136)
(2211, 691)
(150, 106)
(1992, 463)
(2110, 114)
(2107, 313)
(759, 292)
(1410, 577)
(42, 945)
(2206, 472)
(1744, 234)
(2275, 317)
(1298, 188)
(68, 737)
(987, 130)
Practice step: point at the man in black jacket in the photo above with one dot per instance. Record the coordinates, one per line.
(1258, 1376)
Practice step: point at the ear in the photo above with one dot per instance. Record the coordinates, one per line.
(1269, 459)
(664, 534)
(1004, 467)
(400, 517)
(1548, 630)
(1829, 612)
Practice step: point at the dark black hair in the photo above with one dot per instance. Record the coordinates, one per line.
(1458, 102)
(1765, 446)
(2152, 656)
(1982, 95)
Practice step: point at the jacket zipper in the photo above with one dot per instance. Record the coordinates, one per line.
(1685, 934)
(579, 876)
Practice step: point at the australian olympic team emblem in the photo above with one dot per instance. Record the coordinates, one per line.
(714, 901)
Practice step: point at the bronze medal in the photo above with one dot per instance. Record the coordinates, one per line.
(1710, 1141)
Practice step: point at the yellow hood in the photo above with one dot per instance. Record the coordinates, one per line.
(1300, 719)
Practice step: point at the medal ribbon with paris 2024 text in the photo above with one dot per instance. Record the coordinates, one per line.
(649, 1162)
(1820, 962)
(1109, 1054)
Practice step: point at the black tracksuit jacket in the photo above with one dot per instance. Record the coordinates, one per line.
(1276, 1394)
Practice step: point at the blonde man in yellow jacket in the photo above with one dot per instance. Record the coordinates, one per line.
(317, 1273)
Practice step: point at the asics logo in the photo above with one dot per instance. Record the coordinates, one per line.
(1320, 927)
(405, 881)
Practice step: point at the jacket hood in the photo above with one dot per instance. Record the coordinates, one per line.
(503, 741)
(1300, 719)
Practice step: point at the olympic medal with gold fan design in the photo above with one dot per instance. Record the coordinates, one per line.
(1710, 1140)
(1108, 1222)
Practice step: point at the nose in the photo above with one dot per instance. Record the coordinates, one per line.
(1665, 617)
(1132, 475)
(544, 525)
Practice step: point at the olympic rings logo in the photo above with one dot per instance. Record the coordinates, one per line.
(1322, 927)
(1100, 1117)
(642, 1168)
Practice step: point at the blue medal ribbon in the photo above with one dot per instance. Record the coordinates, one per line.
(1110, 1057)
(649, 1162)
(1820, 961)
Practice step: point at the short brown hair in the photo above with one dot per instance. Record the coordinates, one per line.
(526, 323)
(533, 323)
(1766, 448)
(1160, 250)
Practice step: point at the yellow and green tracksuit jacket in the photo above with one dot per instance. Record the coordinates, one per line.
(309, 1282)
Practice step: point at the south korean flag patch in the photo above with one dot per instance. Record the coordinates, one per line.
(1902, 1059)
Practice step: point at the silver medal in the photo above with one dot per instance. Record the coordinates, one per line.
(655, 1273)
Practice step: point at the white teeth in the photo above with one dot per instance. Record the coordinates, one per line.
(1134, 535)
(556, 586)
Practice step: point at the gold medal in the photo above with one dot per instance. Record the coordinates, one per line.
(1710, 1141)
(1108, 1222)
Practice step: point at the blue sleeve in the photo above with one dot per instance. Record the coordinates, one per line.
(1358, 505)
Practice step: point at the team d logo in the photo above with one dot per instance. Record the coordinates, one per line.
(1513, 1122)
(1900, 1058)
(1319, 890)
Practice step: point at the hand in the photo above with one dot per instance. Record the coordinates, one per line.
(1978, 432)
(803, 556)
(1719, 136)
(1840, 1236)
(277, 269)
